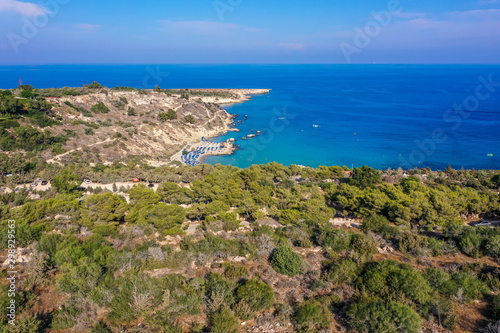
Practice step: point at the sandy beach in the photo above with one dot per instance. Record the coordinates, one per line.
(241, 95)
(194, 154)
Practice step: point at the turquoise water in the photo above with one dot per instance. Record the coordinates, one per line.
(377, 115)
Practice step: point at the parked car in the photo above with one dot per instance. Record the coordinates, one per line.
(34, 184)
(483, 223)
(136, 180)
(151, 185)
(44, 182)
(87, 181)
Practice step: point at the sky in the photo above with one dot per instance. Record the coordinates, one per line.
(249, 32)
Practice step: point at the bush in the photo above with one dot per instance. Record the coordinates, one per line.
(170, 115)
(285, 261)
(363, 245)
(224, 321)
(374, 223)
(365, 177)
(257, 294)
(94, 85)
(66, 181)
(234, 272)
(444, 311)
(337, 240)
(343, 272)
(311, 315)
(100, 108)
(190, 119)
(393, 279)
(9, 123)
(469, 287)
(379, 316)
(496, 306)
(413, 244)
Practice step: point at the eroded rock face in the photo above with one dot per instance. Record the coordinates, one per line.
(133, 125)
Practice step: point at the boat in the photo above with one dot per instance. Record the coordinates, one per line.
(490, 155)
(250, 136)
(244, 138)
(315, 126)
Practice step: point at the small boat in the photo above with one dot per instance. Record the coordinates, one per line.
(315, 126)
(490, 155)
(244, 138)
(250, 136)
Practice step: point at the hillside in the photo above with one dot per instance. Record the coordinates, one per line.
(109, 125)
(265, 249)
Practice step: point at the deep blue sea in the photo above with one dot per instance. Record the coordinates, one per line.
(377, 115)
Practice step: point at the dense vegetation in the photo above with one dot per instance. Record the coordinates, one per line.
(126, 258)
(23, 112)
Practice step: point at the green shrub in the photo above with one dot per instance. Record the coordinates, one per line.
(224, 321)
(190, 119)
(393, 279)
(9, 123)
(311, 315)
(234, 272)
(374, 223)
(413, 244)
(100, 108)
(382, 317)
(444, 311)
(131, 111)
(286, 261)
(343, 272)
(337, 240)
(257, 294)
(94, 85)
(244, 311)
(436, 277)
(170, 115)
(469, 287)
(363, 245)
(496, 305)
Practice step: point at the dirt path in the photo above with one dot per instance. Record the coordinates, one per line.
(53, 160)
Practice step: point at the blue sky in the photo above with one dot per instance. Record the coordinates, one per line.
(249, 31)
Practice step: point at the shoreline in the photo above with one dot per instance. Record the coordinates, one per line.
(198, 151)
(194, 154)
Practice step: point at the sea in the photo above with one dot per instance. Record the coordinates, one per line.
(383, 116)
